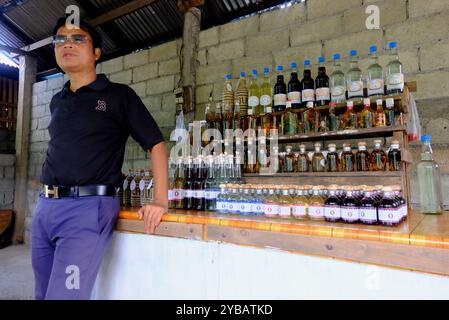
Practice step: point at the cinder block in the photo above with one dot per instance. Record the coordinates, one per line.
(140, 89)
(39, 87)
(316, 30)
(164, 51)
(9, 173)
(282, 17)
(7, 160)
(208, 37)
(202, 57)
(153, 103)
(169, 67)
(421, 8)
(234, 30)
(247, 64)
(212, 73)
(44, 122)
(55, 83)
(168, 102)
(136, 59)
(112, 66)
(44, 97)
(321, 8)
(265, 43)
(145, 72)
(298, 54)
(432, 86)
(435, 56)
(160, 85)
(124, 77)
(225, 51)
(203, 92)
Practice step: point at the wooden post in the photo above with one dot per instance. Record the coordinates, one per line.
(27, 77)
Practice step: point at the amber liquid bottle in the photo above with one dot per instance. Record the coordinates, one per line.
(333, 120)
(378, 158)
(189, 189)
(362, 157)
(289, 161)
(318, 160)
(394, 157)
(366, 115)
(347, 159)
(381, 119)
(333, 162)
(302, 161)
(349, 117)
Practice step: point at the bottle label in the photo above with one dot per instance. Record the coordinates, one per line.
(189, 193)
(199, 194)
(265, 100)
(132, 186)
(323, 94)
(350, 214)
(316, 211)
(332, 211)
(338, 92)
(355, 89)
(171, 195)
(142, 185)
(280, 99)
(284, 211)
(253, 101)
(299, 211)
(246, 207)
(308, 95)
(395, 81)
(222, 205)
(294, 96)
(271, 210)
(211, 194)
(375, 86)
(368, 214)
(178, 194)
(259, 208)
(125, 184)
(232, 206)
(389, 215)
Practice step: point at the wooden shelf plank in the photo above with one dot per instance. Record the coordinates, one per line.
(367, 174)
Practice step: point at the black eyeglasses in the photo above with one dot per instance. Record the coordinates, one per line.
(59, 40)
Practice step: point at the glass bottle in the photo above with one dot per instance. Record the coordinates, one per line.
(337, 82)
(236, 117)
(375, 77)
(271, 205)
(334, 121)
(171, 182)
(211, 187)
(349, 208)
(362, 157)
(189, 196)
(308, 85)
(303, 160)
(218, 122)
(354, 78)
(402, 204)
(280, 91)
(199, 185)
(378, 159)
(368, 208)
(146, 189)
(294, 88)
(290, 120)
(316, 205)
(388, 211)
(394, 157)
(308, 118)
(429, 180)
(333, 162)
(347, 159)
(380, 118)
(266, 121)
(285, 202)
(135, 190)
(300, 204)
(290, 161)
(349, 117)
(241, 94)
(222, 199)
(366, 115)
(322, 91)
(258, 201)
(228, 93)
(332, 211)
(395, 72)
(318, 160)
(254, 93)
(266, 94)
(178, 191)
(228, 118)
(389, 113)
(233, 200)
(127, 189)
(252, 124)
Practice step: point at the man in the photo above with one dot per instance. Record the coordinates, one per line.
(91, 119)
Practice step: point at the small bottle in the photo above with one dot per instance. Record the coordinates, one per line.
(349, 117)
(380, 118)
(308, 118)
(354, 78)
(334, 121)
(337, 82)
(322, 91)
(135, 190)
(366, 115)
(222, 199)
(347, 159)
(280, 92)
(308, 85)
(241, 94)
(199, 185)
(246, 201)
(290, 120)
(294, 88)
(258, 201)
(189, 195)
(349, 208)
(290, 161)
(300, 204)
(271, 204)
(120, 191)
(429, 180)
(333, 162)
(375, 78)
(389, 113)
(266, 121)
(389, 214)
(218, 122)
(233, 199)
(211, 187)
(254, 94)
(362, 157)
(266, 93)
(402, 204)
(318, 160)
(127, 189)
(394, 157)
(146, 189)
(281, 161)
(285, 203)
(395, 72)
(303, 160)
(378, 158)
(332, 210)
(368, 207)
(228, 93)
(316, 205)
(178, 191)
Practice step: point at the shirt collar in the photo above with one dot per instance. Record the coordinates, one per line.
(98, 85)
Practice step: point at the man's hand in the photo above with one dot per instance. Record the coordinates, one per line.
(152, 215)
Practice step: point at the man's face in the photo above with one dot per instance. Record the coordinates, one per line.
(72, 57)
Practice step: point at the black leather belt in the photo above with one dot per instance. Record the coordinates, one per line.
(56, 192)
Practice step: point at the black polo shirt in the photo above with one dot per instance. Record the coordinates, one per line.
(88, 133)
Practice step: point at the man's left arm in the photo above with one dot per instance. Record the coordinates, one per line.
(152, 213)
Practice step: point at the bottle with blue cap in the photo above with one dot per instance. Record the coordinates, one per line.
(294, 88)
(354, 78)
(429, 180)
(266, 92)
(241, 94)
(253, 93)
(280, 91)
(308, 86)
(228, 94)
(395, 72)
(322, 92)
(337, 82)
(375, 77)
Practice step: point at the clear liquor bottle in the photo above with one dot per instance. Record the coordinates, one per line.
(316, 205)
(178, 191)
(285, 203)
(375, 76)
(266, 94)
(337, 82)
(395, 72)
(354, 78)
(254, 93)
(300, 204)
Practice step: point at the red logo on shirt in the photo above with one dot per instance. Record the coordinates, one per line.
(101, 106)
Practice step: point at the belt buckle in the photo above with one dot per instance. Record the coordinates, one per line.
(53, 192)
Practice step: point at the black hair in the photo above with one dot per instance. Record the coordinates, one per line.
(94, 34)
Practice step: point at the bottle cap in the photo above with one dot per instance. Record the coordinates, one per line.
(379, 102)
(280, 68)
(353, 53)
(426, 138)
(350, 103)
(321, 60)
(332, 104)
(337, 56)
(266, 70)
(393, 45)
(310, 104)
(346, 145)
(228, 77)
(302, 146)
(317, 145)
(307, 62)
(377, 141)
(373, 49)
(394, 142)
(254, 72)
(367, 101)
(242, 74)
(361, 144)
(390, 102)
(293, 65)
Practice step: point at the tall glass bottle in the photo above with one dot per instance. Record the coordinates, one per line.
(290, 161)
(394, 157)
(349, 208)
(302, 161)
(266, 93)
(178, 192)
(333, 162)
(389, 112)
(378, 159)
(199, 185)
(218, 122)
(211, 186)
(189, 190)
(322, 91)
(349, 117)
(347, 159)
(375, 77)
(362, 157)
(228, 94)
(332, 211)
(294, 88)
(366, 115)
(334, 121)
(289, 121)
(127, 189)
(354, 78)
(280, 91)
(316, 205)
(429, 180)
(318, 160)
(395, 72)
(337, 82)
(241, 94)
(308, 85)
(380, 118)
(368, 207)
(171, 182)
(254, 93)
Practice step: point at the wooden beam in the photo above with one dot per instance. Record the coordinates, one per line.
(12, 50)
(27, 77)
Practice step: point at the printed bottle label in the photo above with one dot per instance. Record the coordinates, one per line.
(199, 194)
(284, 211)
(265, 100)
(308, 95)
(350, 214)
(271, 210)
(253, 101)
(189, 193)
(392, 215)
(299, 211)
(141, 185)
(395, 81)
(280, 99)
(294, 97)
(222, 205)
(355, 89)
(333, 212)
(338, 92)
(178, 194)
(171, 195)
(259, 208)
(246, 208)
(323, 94)
(316, 211)
(368, 214)
(132, 186)
(375, 86)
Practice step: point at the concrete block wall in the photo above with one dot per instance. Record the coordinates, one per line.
(7, 175)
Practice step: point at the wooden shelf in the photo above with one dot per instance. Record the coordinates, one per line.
(367, 174)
